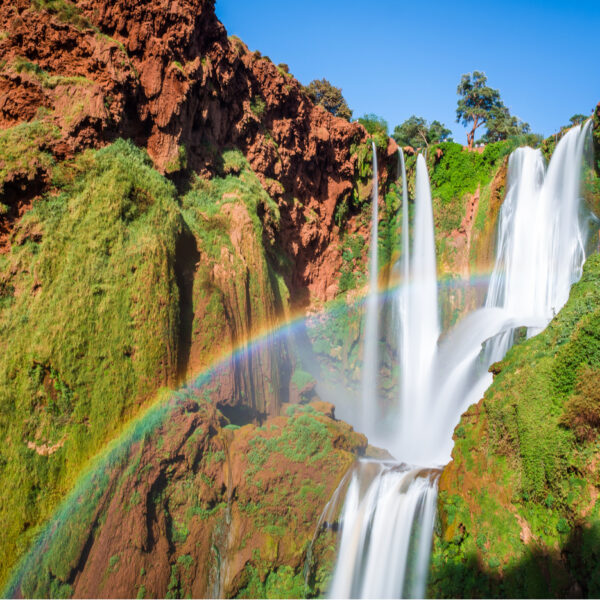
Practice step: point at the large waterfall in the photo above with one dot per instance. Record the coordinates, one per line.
(388, 514)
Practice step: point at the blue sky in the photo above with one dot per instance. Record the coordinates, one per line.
(395, 59)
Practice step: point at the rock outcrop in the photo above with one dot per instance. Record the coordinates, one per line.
(190, 506)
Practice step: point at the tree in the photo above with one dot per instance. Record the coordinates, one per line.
(577, 120)
(320, 91)
(476, 103)
(417, 133)
(374, 124)
(438, 132)
(501, 125)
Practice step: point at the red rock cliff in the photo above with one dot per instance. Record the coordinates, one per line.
(165, 75)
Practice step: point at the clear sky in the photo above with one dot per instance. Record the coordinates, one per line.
(396, 58)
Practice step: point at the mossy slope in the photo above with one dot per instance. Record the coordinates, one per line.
(186, 505)
(518, 507)
(113, 287)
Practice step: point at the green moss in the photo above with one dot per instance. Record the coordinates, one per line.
(23, 150)
(65, 11)
(459, 172)
(301, 378)
(95, 330)
(258, 106)
(528, 465)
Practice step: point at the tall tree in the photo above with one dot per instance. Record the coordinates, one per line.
(322, 92)
(417, 133)
(476, 103)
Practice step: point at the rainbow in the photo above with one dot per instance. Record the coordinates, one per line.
(94, 477)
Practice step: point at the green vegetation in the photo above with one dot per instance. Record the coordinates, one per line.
(321, 92)
(301, 378)
(279, 583)
(91, 330)
(377, 128)
(457, 173)
(22, 65)
(23, 150)
(352, 273)
(479, 104)
(304, 439)
(258, 106)
(532, 452)
(416, 132)
(65, 11)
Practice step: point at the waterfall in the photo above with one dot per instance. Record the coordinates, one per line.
(369, 394)
(541, 239)
(419, 322)
(403, 298)
(382, 533)
(389, 508)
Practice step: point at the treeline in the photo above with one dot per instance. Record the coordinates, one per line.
(478, 106)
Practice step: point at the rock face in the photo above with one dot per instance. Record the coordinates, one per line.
(166, 76)
(192, 508)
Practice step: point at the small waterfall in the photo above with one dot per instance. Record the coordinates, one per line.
(388, 514)
(403, 298)
(369, 394)
(386, 523)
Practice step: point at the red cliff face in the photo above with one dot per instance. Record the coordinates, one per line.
(165, 75)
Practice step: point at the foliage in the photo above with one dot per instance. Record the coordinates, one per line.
(79, 349)
(531, 447)
(65, 11)
(258, 106)
(457, 173)
(501, 125)
(323, 93)
(477, 102)
(48, 81)
(302, 378)
(577, 119)
(377, 127)
(416, 132)
(23, 150)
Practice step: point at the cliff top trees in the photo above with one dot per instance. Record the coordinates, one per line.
(477, 102)
(417, 133)
(322, 92)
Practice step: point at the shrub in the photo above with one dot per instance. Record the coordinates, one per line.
(323, 93)
(582, 411)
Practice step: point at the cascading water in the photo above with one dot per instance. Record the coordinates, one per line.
(371, 331)
(541, 237)
(388, 514)
(419, 322)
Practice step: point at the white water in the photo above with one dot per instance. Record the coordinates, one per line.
(383, 503)
(370, 354)
(419, 321)
(540, 254)
(541, 237)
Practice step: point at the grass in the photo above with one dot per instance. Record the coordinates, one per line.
(527, 453)
(23, 149)
(65, 11)
(92, 325)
